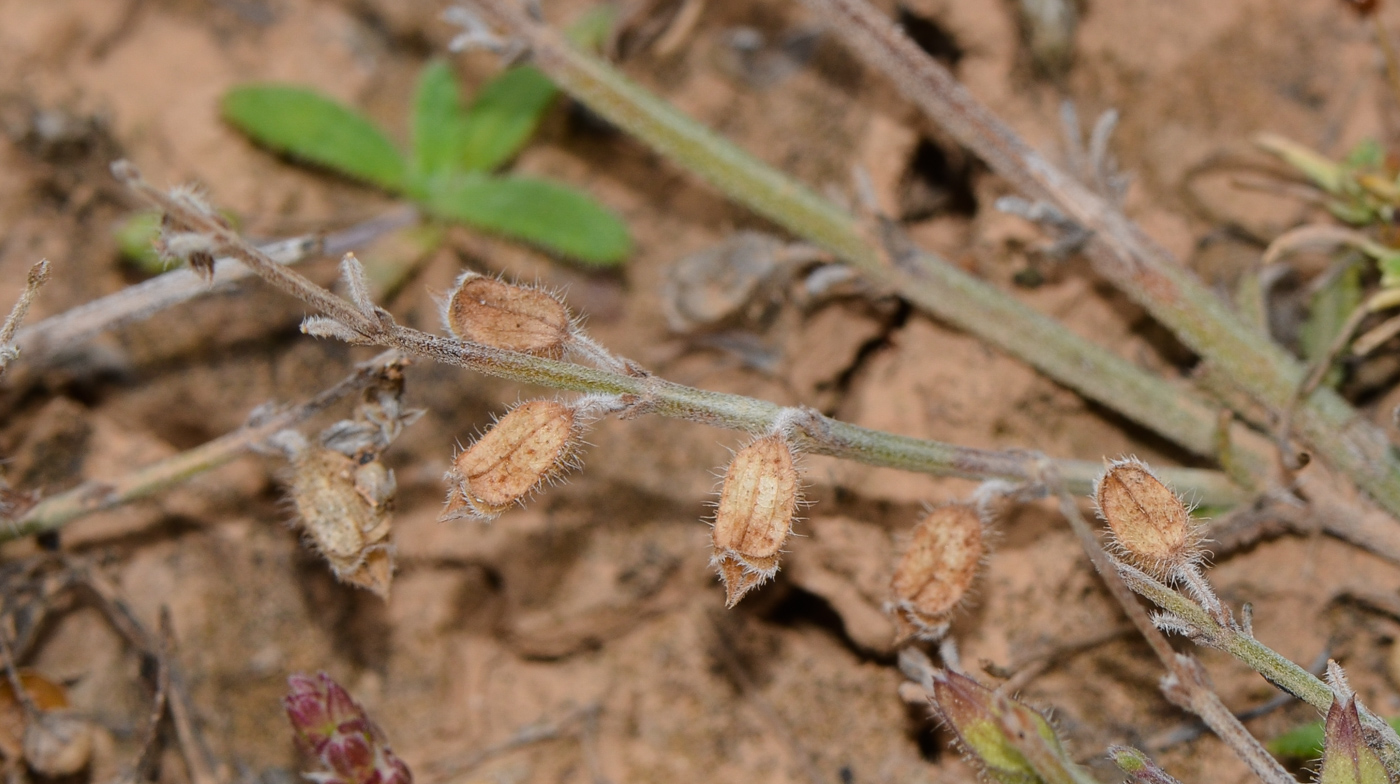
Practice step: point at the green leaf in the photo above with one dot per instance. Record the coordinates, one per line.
(309, 126)
(503, 117)
(1331, 306)
(438, 122)
(1367, 154)
(552, 216)
(135, 240)
(1305, 742)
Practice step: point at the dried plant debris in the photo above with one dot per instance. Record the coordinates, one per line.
(735, 282)
(753, 520)
(343, 495)
(39, 729)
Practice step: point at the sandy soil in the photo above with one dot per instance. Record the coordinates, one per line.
(595, 607)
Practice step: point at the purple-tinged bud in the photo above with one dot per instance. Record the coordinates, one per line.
(1009, 740)
(1346, 758)
(334, 727)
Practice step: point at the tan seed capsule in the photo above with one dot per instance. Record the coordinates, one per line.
(529, 446)
(519, 318)
(756, 507)
(345, 508)
(1151, 527)
(934, 575)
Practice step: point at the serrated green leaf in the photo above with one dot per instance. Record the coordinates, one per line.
(552, 216)
(309, 126)
(503, 116)
(438, 122)
(1331, 306)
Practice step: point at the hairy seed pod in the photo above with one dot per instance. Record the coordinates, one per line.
(934, 575)
(345, 507)
(531, 445)
(754, 517)
(519, 318)
(1152, 528)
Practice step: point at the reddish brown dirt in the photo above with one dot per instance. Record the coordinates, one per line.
(598, 597)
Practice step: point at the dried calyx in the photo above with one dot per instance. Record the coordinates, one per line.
(536, 443)
(753, 520)
(935, 574)
(1152, 529)
(1007, 739)
(492, 312)
(344, 495)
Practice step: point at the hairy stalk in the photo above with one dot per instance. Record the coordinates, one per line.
(1125, 256)
(645, 393)
(1264, 660)
(929, 282)
(57, 333)
(56, 511)
(38, 276)
(1186, 685)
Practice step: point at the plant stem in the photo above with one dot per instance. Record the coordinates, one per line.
(929, 282)
(1124, 255)
(1187, 685)
(56, 511)
(38, 276)
(645, 393)
(143, 300)
(1264, 660)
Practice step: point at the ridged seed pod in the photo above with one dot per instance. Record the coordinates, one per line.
(518, 318)
(533, 444)
(934, 575)
(757, 504)
(1152, 528)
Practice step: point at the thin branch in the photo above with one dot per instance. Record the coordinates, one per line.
(1186, 684)
(65, 330)
(1124, 255)
(38, 276)
(94, 496)
(645, 393)
(1275, 668)
(931, 283)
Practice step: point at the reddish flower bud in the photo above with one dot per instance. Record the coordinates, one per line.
(331, 725)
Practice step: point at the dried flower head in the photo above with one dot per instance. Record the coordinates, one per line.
(519, 318)
(754, 517)
(330, 724)
(345, 509)
(537, 442)
(935, 574)
(1152, 528)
